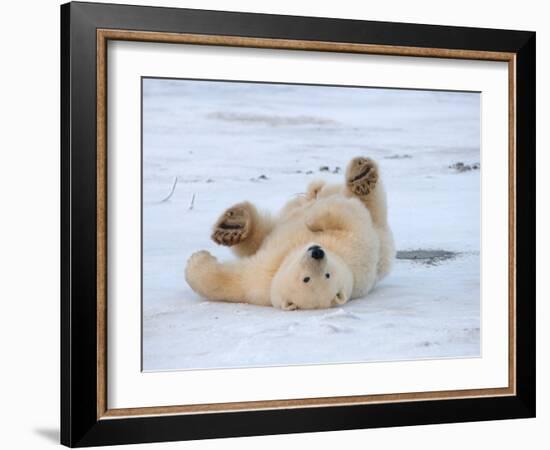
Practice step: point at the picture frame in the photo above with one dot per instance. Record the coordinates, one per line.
(86, 29)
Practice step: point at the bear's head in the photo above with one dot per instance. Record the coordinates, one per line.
(311, 277)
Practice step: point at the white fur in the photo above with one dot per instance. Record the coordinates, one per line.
(351, 229)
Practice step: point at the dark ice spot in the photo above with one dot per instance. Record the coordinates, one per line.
(261, 177)
(473, 330)
(210, 180)
(461, 167)
(429, 257)
(309, 172)
(324, 169)
(336, 169)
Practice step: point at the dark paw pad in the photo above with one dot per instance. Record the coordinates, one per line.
(233, 226)
(362, 176)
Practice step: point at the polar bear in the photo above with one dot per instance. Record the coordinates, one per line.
(324, 248)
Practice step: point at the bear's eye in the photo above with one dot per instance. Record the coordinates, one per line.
(327, 275)
(306, 279)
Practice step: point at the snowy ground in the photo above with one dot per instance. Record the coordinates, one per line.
(218, 139)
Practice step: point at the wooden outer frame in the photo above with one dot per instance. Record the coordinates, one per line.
(81, 425)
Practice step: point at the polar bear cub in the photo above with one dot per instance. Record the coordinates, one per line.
(323, 249)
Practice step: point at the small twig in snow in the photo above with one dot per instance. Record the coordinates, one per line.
(171, 192)
(192, 202)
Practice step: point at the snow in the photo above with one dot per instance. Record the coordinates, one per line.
(219, 138)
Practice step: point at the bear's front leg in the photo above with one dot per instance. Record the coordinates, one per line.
(234, 225)
(214, 280)
(242, 228)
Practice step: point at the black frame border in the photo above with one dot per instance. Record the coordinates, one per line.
(79, 423)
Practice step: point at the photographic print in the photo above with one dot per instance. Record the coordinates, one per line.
(288, 224)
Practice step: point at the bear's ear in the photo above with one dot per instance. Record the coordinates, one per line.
(340, 298)
(287, 305)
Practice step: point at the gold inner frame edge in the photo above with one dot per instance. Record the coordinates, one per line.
(103, 36)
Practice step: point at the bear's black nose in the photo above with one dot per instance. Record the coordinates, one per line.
(316, 252)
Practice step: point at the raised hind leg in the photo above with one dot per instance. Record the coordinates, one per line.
(363, 181)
